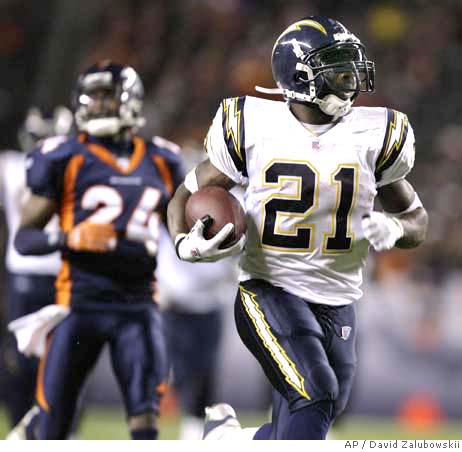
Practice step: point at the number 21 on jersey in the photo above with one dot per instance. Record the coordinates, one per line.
(303, 203)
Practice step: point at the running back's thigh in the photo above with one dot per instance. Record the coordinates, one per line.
(283, 334)
(342, 353)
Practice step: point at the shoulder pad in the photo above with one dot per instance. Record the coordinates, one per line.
(47, 163)
(233, 123)
(56, 148)
(166, 144)
(168, 160)
(370, 118)
(396, 130)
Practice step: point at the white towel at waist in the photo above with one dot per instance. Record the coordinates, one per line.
(31, 330)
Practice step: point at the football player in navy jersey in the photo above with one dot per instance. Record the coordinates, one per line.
(110, 189)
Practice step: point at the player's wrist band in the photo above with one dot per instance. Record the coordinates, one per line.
(400, 226)
(57, 239)
(190, 181)
(414, 205)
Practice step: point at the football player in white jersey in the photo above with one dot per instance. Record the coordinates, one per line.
(311, 167)
(30, 279)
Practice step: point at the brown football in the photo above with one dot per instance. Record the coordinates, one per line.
(222, 207)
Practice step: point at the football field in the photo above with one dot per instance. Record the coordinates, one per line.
(103, 423)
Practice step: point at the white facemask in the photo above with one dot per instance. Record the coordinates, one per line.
(101, 127)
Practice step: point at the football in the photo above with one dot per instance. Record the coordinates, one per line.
(222, 207)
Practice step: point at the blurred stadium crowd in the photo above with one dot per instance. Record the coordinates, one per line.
(192, 53)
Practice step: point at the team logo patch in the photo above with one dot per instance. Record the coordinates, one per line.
(346, 331)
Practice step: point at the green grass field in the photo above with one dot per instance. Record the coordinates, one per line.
(99, 423)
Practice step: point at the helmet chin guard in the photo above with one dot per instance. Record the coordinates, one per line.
(101, 127)
(334, 106)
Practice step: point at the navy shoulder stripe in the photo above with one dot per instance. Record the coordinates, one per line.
(393, 142)
(234, 131)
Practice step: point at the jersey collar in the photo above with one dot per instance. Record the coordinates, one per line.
(106, 156)
(293, 119)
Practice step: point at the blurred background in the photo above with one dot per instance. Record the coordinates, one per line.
(192, 53)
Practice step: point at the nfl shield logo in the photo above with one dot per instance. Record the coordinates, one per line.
(346, 330)
(315, 145)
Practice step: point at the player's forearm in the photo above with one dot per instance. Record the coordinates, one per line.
(415, 228)
(36, 242)
(175, 212)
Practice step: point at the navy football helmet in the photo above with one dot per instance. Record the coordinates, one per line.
(40, 124)
(318, 60)
(108, 98)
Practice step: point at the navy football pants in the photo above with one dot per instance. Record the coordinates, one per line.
(138, 354)
(306, 350)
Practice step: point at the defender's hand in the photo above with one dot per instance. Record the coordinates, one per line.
(95, 237)
(193, 247)
(381, 230)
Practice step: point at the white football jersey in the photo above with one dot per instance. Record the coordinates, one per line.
(13, 195)
(305, 195)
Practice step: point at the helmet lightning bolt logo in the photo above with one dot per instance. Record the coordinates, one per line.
(306, 23)
(298, 26)
(233, 123)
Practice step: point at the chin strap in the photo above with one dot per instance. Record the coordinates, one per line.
(330, 104)
(103, 126)
(288, 94)
(100, 127)
(334, 106)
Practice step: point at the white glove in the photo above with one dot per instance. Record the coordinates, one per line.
(381, 230)
(193, 247)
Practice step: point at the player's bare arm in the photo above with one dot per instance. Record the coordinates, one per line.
(205, 174)
(404, 224)
(398, 197)
(37, 212)
(31, 239)
(192, 246)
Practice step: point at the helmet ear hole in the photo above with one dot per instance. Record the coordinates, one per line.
(300, 78)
